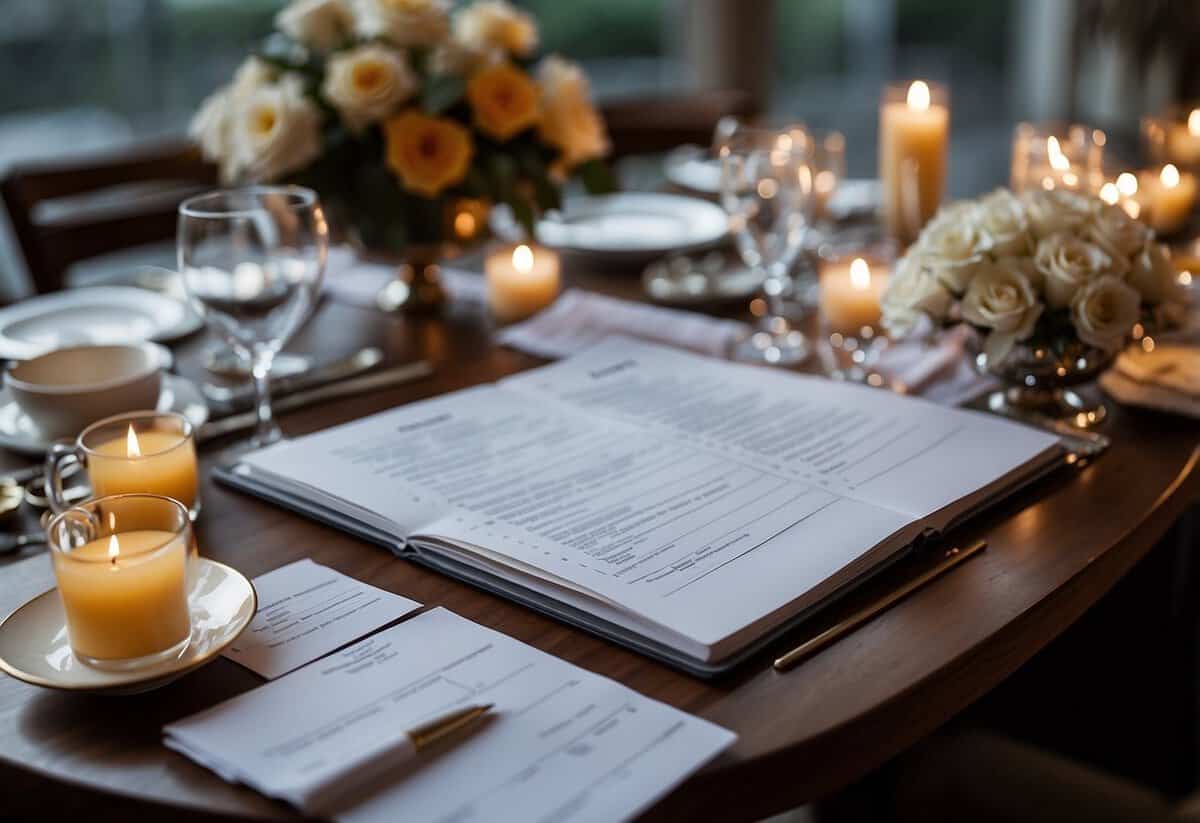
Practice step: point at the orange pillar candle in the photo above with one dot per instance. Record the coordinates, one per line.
(914, 132)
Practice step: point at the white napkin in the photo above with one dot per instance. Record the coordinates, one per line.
(351, 280)
(937, 367)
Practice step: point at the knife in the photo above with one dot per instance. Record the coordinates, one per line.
(228, 399)
(330, 391)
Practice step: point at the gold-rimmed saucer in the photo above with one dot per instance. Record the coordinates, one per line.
(34, 646)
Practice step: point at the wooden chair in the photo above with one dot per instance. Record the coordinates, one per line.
(73, 210)
(647, 125)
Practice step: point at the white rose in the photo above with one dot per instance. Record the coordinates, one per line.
(277, 130)
(367, 83)
(1117, 233)
(569, 120)
(1001, 218)
(453, 57)
(952, 213)
(322, 25)
(1052, 212)
(251, 76)
(494, 25)
(954, 250)
(1066, 263)
(1003, 300)
(913, 292)
(1104, 312)
(1155, 277)
(403, 22)
(212, 126)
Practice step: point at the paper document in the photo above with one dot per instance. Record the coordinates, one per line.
(305, 611)
(562, 744)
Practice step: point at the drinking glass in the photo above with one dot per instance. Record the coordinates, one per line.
(252, 261)
(767, 189)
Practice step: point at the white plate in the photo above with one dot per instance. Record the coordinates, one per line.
(634, 225)
(34, 646)
(98, 314)
(18, 433)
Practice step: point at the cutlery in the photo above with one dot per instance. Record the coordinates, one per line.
(330, 391)
(11, 543)
(227, 399)
(23, 476)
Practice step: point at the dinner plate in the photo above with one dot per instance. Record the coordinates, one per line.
(96, 314)
(633, 226)
(20, 434)
(34, 646)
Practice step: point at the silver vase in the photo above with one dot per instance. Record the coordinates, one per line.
(1039, 380)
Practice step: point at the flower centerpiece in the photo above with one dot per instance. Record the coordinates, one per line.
(400, 113)
(1055, 282)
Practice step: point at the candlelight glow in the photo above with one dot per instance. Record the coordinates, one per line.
(114, 549)
(1109, 194)
(132, 448)
(1127, 184)
(464, 224)
(1194, 122)
(918, 96)
(522, 259)
(1169, 176)
(1058, 160)
(860, 274)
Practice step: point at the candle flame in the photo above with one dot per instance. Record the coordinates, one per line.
(918, 95)
(1194, 122)
(1169, 176)
(1127, 184)
(114, 549)
(464, 224)
(1058, 160)
(1109, 194)
(132, 448)
(522, 259)
(860, 274)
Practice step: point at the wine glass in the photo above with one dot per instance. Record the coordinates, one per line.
(767, 189)
(252, 260)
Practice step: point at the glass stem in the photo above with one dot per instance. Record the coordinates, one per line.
(260, 369)
(774, 285)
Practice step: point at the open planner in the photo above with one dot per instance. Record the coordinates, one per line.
(688, 507)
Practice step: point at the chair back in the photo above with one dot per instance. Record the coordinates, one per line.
(649, 125)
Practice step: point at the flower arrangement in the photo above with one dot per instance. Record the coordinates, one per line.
(394, 110)
(1052, 269)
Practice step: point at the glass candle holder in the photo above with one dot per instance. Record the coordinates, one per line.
(1057, 156)
(914, 142)
(851, 286)
(1174, 136)
(150, 452)
(121, 566)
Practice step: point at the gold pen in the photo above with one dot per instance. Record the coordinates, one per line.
(427, 734)
(840, 629)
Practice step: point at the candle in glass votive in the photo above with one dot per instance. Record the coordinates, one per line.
(1167, 198)
(849, 297)
(1183, 139)
(151, 461)
(521, 280)
(914, 127)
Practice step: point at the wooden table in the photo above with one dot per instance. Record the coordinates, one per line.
(1054, 550)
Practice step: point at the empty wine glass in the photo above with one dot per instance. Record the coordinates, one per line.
(767, 188)
(252, 261)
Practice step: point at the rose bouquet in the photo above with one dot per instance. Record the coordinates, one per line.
(1054, 270)
(394, 110)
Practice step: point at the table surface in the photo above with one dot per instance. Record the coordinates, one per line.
(1054, 549)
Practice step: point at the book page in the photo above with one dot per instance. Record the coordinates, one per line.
(898, 452)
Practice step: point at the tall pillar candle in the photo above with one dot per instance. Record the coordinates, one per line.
(914, 130)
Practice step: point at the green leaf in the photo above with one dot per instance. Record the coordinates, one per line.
(441, 92)
(597, 177)
(502, 175)
(523, 213)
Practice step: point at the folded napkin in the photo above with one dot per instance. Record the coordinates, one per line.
(937, 367)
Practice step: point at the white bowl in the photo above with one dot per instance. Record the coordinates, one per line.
(66, 390)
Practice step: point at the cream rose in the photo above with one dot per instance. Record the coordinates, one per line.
(368, 83)
(1002, 300)
(322, 25)
(1154, 276)
(403, 22)
(494, 25)
(954, 250)
(1053, 212)
(212, 125)
(1066, 263)
(913, 292)
(276, 130)
(1001, 218)
(569, 120)
(1117, 233)
(1104, 312)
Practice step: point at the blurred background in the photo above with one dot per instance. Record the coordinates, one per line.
(80, 76)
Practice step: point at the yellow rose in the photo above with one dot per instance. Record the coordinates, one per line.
(569, 120)
(427, 153)
(504, 99)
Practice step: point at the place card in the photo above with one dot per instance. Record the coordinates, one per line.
(306, 611)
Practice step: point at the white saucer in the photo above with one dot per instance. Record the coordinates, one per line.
(96, 314)
(634, 226)
(20, 434)
(34, 647)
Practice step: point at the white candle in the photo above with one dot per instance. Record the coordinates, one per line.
(1183, 140)
(1167, 198)
(913, 136)
(521, 280)
(849, 296)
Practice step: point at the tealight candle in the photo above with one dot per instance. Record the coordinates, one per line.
(914, 127)
(521, 280)
(1167, 197)
(121, 566)
(849, 297)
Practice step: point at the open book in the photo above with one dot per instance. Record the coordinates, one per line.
(685, 506)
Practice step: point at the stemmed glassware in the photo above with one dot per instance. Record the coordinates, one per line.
(252, 260)
(768, 189)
